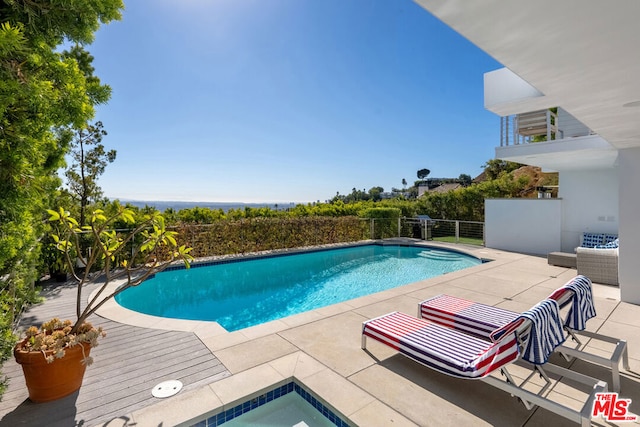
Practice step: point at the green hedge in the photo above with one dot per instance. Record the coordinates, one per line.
(262, 234)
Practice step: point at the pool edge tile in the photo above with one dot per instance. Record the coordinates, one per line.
(246, 385)
(337, 392)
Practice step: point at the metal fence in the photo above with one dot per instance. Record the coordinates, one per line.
(470, 232)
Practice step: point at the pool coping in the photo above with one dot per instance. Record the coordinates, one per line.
(206, 330)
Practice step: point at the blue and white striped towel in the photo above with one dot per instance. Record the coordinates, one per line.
(582, 308)
(546, 331)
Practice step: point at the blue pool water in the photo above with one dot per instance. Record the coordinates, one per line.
(249, 292)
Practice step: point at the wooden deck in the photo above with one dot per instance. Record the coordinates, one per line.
(128, 363)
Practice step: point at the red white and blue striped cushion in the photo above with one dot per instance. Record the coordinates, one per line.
(441, 348)
(481, 319)
(471, 317)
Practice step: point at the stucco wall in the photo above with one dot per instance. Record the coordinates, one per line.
(590, 203)
(523, 225)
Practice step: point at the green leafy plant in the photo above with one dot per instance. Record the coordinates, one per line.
(55, 335)
(126, 257)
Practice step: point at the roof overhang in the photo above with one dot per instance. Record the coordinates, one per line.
(582, 54)
(582, 153)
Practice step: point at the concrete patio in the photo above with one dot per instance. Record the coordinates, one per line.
(378, 387)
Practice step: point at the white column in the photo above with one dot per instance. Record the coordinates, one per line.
(629, 225)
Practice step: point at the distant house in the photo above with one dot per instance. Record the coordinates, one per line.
(480, 178)
(442, 188)
(445, 188)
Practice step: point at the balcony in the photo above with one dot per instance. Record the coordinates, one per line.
(554, 140)
(535, 126)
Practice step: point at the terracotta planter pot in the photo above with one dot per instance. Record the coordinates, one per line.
(51, 381)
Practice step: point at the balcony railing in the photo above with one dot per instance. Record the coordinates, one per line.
(529, 127)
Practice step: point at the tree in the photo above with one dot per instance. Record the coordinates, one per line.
(376, 193)
(423, 173)
(465, 179)
(119, 257)
(88, 164)
(42, 88)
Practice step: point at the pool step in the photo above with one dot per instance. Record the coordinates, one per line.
(439, 255)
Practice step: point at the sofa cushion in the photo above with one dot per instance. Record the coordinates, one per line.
(591, 240)
(611, 245)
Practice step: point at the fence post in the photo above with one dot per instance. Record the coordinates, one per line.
(457, 231)
(399, 228)
(484, 242)
(372, 227)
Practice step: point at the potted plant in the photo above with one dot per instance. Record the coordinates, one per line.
(55, 355)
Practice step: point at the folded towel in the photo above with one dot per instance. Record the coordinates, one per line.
(582, 308)
(546, 331)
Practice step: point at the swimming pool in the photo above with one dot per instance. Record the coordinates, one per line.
(242, 293)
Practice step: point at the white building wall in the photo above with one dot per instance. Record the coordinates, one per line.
(570, 126)
(523, 225)
(629, 190)
(589, 203)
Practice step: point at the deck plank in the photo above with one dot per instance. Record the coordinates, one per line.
(128, 363)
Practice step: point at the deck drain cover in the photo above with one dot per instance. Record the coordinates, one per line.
(167, 388)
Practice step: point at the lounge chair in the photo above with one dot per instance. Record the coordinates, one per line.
(480, 320)
(532, 336)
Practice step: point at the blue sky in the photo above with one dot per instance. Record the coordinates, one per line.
(287, 100)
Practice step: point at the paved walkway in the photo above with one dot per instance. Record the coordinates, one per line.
(321, 350)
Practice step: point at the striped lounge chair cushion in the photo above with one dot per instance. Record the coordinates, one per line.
(440, 348)
(481, 320)
(467, 316)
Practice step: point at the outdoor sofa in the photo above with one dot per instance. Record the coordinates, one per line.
(596, 258)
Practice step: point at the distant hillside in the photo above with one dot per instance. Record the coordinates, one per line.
(537, 178)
